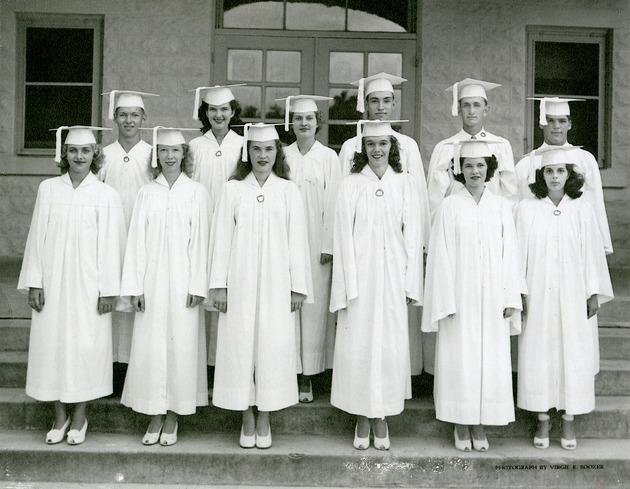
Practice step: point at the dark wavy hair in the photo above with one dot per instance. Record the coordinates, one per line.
(202, 113)
(280, 166)
(361, 159)
(97, 162)
(572, 187)
(491, 162)
(186, 165)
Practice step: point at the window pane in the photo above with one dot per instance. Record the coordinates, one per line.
(584, 123)
(284, 66)
(273, 109)
(252, 14)
(244, 65)
(390, 16)
(316, 15)
(59, 55)
(344, 105)
(385, 62)
(345, 67)
(51, 107)
(566, 68)
(250, 100)
(339, 133)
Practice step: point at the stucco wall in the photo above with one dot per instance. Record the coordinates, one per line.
(487, 40)
(165, 46)
(160, 46)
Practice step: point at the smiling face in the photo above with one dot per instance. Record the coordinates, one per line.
(556, 177)
(129, 120)
(220, 117)
(380, 105)
(79, 158)
(473, 111)
(475, 171)
(555, 132)
(262, 155)
(170, 158)
(377, 149)
(304, 124)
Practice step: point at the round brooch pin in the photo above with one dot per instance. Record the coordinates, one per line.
(557, 212)
(218, 153)
(379, 192)
(126, 159)
(260, 198)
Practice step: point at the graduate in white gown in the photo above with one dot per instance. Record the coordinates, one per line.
(71, 271)
(315, 170)
(213, 157)
(555, 122)
(126, 169)
(471, 104)
(377, 273)
(376, 97)
(165, 279)
(260, 275)
(472, 289)
(565, 280)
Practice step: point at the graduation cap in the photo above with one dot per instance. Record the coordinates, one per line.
(367, 128)
(471, 148)
(300, 103)
(258, 132)
(167, 136)
(383, 82)
(78, 135)
(554, 106)
(126, 98)
(216, 95)
(549, 155)
(469, 88)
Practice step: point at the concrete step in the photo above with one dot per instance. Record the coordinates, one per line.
(613, 378)
(14, 334)
(614, 342)
(615, 312)
(296, 460)
(611, 419)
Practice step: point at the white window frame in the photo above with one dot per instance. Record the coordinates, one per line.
(26, 20)
(583, 35)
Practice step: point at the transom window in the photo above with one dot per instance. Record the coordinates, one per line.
(328, 15)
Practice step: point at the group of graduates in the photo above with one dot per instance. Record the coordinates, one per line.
(234, 251)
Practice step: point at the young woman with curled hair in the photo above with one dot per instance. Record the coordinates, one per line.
(472, 290)
(71, 271)
(377, 273)
(565, 279)
(259, 277)
(165, 280)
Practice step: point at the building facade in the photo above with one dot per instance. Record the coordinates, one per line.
(56, 58)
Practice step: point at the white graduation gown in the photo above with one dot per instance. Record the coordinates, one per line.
(411, 162)
(259, 252)
(213, 164)
(318, 176)
(165, 260)
(593, 191)
(562, 265)
(74, 252)
(377, 265)
(472, 272)
(126, 173)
